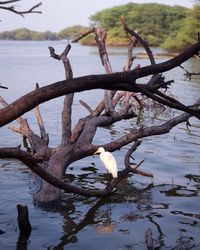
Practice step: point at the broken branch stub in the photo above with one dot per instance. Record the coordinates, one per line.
(23, 219)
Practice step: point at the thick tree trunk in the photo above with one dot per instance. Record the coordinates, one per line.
(56, 168)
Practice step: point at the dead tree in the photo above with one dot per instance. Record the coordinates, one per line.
(77, 142)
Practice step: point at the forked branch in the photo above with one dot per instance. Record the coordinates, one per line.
(67, 106)
(13, 9)
(189, 74)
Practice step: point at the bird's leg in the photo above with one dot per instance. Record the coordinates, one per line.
(109, 179)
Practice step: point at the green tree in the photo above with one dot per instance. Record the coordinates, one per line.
(186, 34)
(48, 35)
(71, 32)
(153, 21)
(26, 34)
(22, 34)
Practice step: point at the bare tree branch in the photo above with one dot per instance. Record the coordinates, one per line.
(147, 131)
(140, 40)
(130, 58)
(85, 105)
(3, 87)
(38, 145)
(96, 113)
(165, 100)
(19, 12)
(129, 165)
(18, 153)
(10, 1)
(43, 133)
(83, 35)
(67, 106)
(127, 67)
(189, 74)
(100, 37)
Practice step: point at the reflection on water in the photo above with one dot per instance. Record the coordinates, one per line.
(168, 204)
(120, 222)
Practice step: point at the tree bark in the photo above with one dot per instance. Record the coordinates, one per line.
(56, 168)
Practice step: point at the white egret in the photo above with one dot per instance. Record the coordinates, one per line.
(108, 160)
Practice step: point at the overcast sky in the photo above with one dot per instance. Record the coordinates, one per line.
(59, 14)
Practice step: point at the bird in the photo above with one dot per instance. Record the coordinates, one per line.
(108, 160)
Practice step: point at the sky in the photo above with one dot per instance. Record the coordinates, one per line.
(59, 14)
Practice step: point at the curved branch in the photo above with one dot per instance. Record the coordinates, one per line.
(145, 132)
(18, 153)
(115, 81)
(165, 100)
(9, 1)
(171, 63)
(139, 39)
(83, 35)
(32, 162)
(129, 165)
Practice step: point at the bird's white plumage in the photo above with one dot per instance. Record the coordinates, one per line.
(108, 160)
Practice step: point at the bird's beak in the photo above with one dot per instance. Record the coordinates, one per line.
(96, 152)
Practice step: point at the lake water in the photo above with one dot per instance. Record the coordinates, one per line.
(168, 203)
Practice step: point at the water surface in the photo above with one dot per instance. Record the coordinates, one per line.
(168, 203)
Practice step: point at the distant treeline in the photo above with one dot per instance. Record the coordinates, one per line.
(161, 25)
(26, 34)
